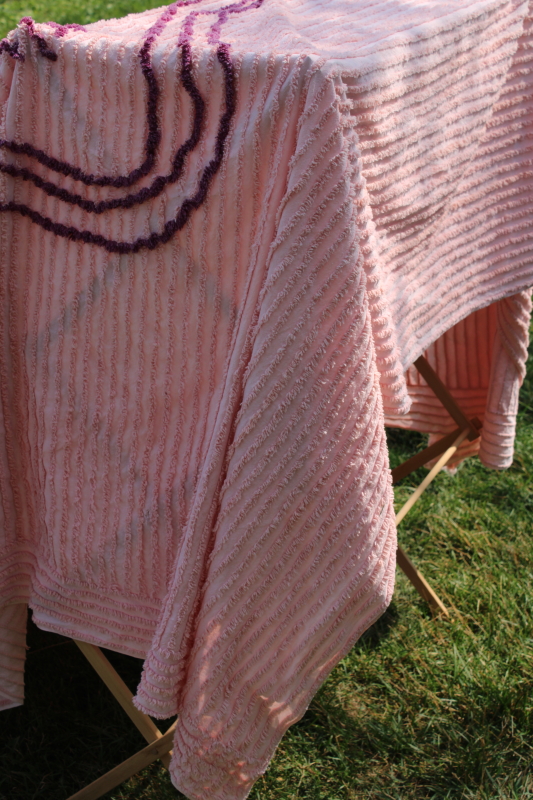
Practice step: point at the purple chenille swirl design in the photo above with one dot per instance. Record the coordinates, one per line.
(61, 30)
(11, 48)
(189, 204)
(154, 135)
(44, 50)
(159, 183)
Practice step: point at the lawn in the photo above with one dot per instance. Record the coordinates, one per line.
(421, 708)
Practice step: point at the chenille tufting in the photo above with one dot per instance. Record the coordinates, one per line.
(227, 230)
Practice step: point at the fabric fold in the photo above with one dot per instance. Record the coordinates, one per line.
(304, 537)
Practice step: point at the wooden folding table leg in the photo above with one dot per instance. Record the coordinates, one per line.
(468, 428)
(120, 692)
(449, 402)
(421, 459)
(127, 768)
(441, 463)
(420, 583)
(404, 562)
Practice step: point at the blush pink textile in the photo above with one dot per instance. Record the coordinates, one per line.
(193, 466)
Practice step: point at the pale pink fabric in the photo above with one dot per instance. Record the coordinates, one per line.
(193, 464)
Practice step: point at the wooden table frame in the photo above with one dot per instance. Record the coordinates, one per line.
(159, 744)
(445, 448)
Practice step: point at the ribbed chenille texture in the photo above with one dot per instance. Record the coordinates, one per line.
(226, 232)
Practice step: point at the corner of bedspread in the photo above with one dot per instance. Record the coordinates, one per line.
(12, 654)
(204, 767)
(508, 369)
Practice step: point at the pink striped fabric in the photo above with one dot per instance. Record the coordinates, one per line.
(226, 232)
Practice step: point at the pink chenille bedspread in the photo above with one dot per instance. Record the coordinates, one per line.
(227, 230)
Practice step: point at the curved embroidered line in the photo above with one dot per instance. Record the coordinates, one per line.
(188, 205)
(11, 48)
(222, 16)
(41, 43)
(148, 192)
(61, 30)
(154, 134)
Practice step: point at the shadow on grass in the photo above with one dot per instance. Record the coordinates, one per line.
(379, 632)
(70, 729)
(382, 725)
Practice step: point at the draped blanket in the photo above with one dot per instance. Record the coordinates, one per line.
(226, 232)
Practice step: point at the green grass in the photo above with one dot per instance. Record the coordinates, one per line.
(64, 11)
(420, 709)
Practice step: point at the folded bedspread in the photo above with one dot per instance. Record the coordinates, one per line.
(226, 232)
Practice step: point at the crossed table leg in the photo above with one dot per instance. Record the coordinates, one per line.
(159, 745)
(445, 448)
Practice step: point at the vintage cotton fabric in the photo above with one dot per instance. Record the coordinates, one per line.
(226, 232)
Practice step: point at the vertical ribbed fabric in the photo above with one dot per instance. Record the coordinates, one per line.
(12, 654)
(482, 361)
(225, 235)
